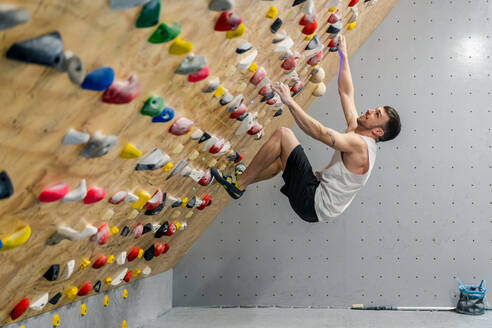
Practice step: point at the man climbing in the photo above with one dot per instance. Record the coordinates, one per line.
(322, 195)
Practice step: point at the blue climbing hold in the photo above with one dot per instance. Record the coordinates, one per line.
(166, 115)
(1, 244)
(99, 79)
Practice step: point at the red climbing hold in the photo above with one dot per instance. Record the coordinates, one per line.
(310, 29)
(20, 308)
(315, 59)
(307, 20)
(353, 3)
(289, 63)
(155, 201)
(94, 195)
(239, 111)
(272, 101)
(171, 230)
(85, 289)
(228, 21)
(132, 254)
(216, 147)
(54, 193)
(181, 126)
(158, 249)
(100, 262)
(266, 90)
(138, 230)
(296, 88)
(128, 276)
(259, 75)
(122, 92)
(206, 179)
(334, 17)
(102, 234)
(257, 127)
(206, 201)
(200, 75)
(333, 43)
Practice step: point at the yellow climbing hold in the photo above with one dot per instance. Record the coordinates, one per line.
(185, 201)
(114, 230)
(219, 92)
(56, 320)
(140, 253)
(110, 259)
(130, 151)
(309, 37)
(236, 33)
(83, 310)
(85, 263)
(71, 292)
(123, 324)
(137, 272)
(168, 167)
(180, 47)
(332, 9)
(253, 67)
(272, 12)
(125, 293)
(106, 301)
(351, 26)
(16, 239)
(143, 198)
(108, 280)
(178, 225)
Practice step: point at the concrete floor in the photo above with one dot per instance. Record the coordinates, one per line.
(190, 317)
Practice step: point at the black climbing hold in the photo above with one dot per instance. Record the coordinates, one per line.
(313, 43)
(298, 2)
(276, 25)
(149, 253)
(191, 203)
(162, 230)
(177, 203)
(46, 49)
(334, 49)
(125, 231)
(147, 228)
(205, 136)
(11, 16)
(268, 97)
(6, 187)
(242, 117)
(156, 210)
(97, 286)
(55, 298)
(278, 112)
(52, 273)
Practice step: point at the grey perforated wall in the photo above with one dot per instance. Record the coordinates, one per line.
(425, 215)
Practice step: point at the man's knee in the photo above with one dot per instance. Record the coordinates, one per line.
(284, 132)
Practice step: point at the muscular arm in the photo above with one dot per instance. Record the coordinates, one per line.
(346, 87)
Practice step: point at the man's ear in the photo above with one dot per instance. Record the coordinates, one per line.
(378, 132)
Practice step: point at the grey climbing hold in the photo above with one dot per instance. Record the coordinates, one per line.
(75, 70)
(221, 5)
(99, 145)
(155, 160)
(6, 187)
(191, 203)
(238, 100)
(74, 137)
(177, 203)
(191, 64)
(313, 43)
(46, 50)
(196, 134)
(181, 165)
(227, 98)
(125, 231)
(244, 47)
(212, 85)
(11, 16)
(126, 4)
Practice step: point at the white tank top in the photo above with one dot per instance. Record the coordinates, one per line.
(338, 186)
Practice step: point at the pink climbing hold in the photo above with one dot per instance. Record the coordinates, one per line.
(54, 193)
(200, 75)
(310, 29)
(228, 21)
(94, 195)
(138, 230)
(206, 179)
(315, 59)
(239, 111)
(102, 234)
(122, 92)
(155, 201)
(259, 75)
(100, 262)
(289, 63)
(181, 126)
(257, 127)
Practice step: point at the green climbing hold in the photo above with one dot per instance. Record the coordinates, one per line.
(153, 106)
(165, 33)
(150, 14)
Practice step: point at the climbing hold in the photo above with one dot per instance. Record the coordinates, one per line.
(100, 262)
(55, 298)
(335, 28)
(193, 155)
(353, 3)
(333, 42)
(40, 303)
(149, 253)
(132, 254)
(108, 281)
(298, 2)
(165, 33)
(175, 202)
(125, 231)
(79, 193)
(206, 201)
(123, 324)
(137, 230)
(239, 31)
(310, 29)
(234, 105)
(131, 198)
(94, 195)
(180, 126)
(246, 124)
(272, 12)
(133, 214)
(255, 129)
(125, 293)
(200, 75)
(212, 85)
(155, 160)
(147, 270)
(111, 259)
(191, 203)
(244, 47)
(46, 49)
(284, 45)
(162, 230)
(217, 146)
(238, 112)
(97, 286)
(296, 88)
(102, 235)
(181, 165)
(147, 228)
(180, 47)
(54, 193)
(119, 277)
(83, 309)
(166, 115)
(69, 266)
(221, 5)
(171, 230)
(150, 14)
(276, 25)
(184, 201)
(99, 79)
(99, 145)
(122, 91)
(158, 249)
(153, 106)
(52, 273)
(351, 26)
(280, 36)
(85, 263)
(143, 198)
(288, 64)
(191, 64)
(205, 136)
(56, 320)
(335, 17)
(106, 298)
(74, 137)
(226, 99)
(121, 258)
(85, 289)
(6, 187)
(20, 308)
(155, 200)
(206, 179)
(219, 92)
(71, 292)
(314, 60)
(228, 21)
(11, 16)
(319, 90)
(118, 197)
(140, 253)
(313, 43)
(259, 75)
(253, 67)
(126, 4)
(210, 142)
(307, 20)
(75, 69)
(248, 60)
(128, 276)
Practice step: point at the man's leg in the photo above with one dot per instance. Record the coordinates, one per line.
(274, 169)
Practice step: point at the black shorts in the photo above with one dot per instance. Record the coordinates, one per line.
(300, 184)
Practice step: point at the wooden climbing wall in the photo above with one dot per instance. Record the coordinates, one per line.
(39, 105)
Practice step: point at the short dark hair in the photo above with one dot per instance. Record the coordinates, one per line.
(393, 127)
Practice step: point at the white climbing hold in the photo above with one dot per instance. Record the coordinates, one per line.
(171, 200)
(196, 134)
(284, 45)
(108, 214)
(133, 214)
(121, 259)
(319, 90)
(317, 74)
(212, 85)
(118, 197)
(155, 160)
(196, 175)
(248, 60)
(263, 82)
(73, 234)
(69, 266)
(155, 227)
(77, 194)
(178, 148)
(119, 277)
(279, 36)
(193, 155)
(225, 149)
(74, 137)
(210, 142)
(126, 4)
(308, 8)
(39, 304)
(246, 46)
(246, 124)
(147, 270)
